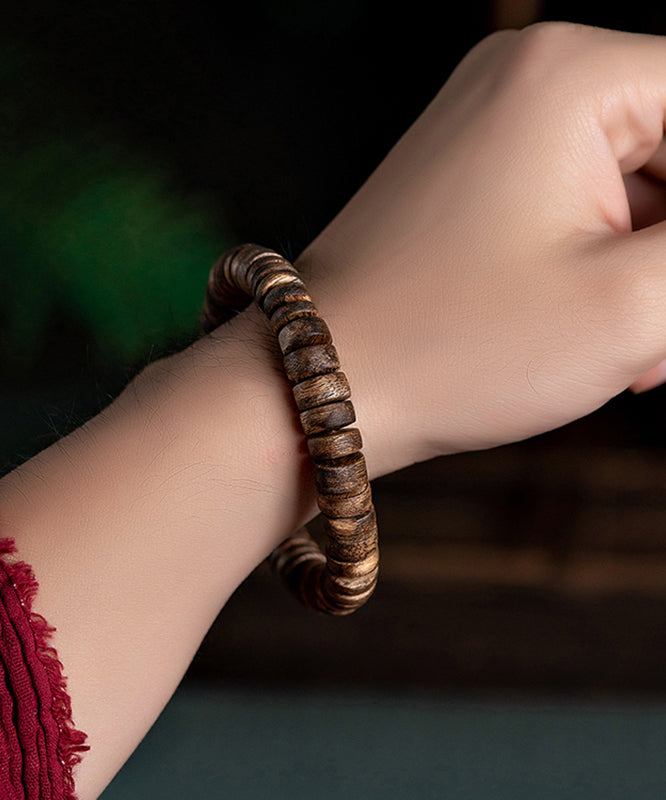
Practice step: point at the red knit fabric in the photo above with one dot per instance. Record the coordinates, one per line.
(39, 745)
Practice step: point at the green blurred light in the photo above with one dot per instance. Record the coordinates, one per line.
(90, 230)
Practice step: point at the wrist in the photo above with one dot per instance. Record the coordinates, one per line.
(370, 362)
(223, 410)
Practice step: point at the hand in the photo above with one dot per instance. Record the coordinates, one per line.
(495, 278)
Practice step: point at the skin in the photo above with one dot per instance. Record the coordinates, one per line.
(500, 274)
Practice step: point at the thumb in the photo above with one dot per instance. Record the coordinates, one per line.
(649, 380)
(634, 268)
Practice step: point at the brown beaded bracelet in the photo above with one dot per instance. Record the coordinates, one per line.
(343, 579)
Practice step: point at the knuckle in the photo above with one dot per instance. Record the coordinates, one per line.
(548, 53)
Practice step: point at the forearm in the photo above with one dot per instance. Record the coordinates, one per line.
(140, 524)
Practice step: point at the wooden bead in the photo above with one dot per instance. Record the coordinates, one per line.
(347, 475)
(219, 288)
(302, 332)
(300, 563)
(286, 313)
(328, 417)
(334, 596)
(329, 388)
(352, 551)
(299, 548)
(222, 300)
(336, 443)
(346, 600)
(350, 593)
(323, 583)
(263, 265)
(337, 506)
(335, 603)
(281, 294)
(363, 528)
(228, 266)
(233, 262)
(353, 569)
(306, 362)
(351, 538)
(240, 262)
(270, 278)
(220, 294)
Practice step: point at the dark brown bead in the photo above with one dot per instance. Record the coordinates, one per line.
(334, 597)
(300, 564)
(283, 293)
(218, 287)
(328, 417)
(345, 600)
(329, 388)
(306, 362)
(234, 262)
(286, 313)
(350, 593)
(242, 261)
(337, 506)
(294, 551)
(351, 551)
(269, 277)
(302, 332)
(222, 299)
(339, 605)
(336, 443)
(265, 264)
(347, 475)
(365, 568)
(363, 528)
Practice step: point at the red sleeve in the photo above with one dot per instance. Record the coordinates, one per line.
(39, 745)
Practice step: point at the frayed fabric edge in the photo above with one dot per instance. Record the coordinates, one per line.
(71, 742)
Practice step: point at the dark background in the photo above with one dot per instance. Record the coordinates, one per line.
(267, 116)
(272, 113)
(278, 110)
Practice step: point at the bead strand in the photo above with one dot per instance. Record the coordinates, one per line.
(343, 578)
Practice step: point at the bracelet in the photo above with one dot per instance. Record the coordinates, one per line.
(343, 579)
